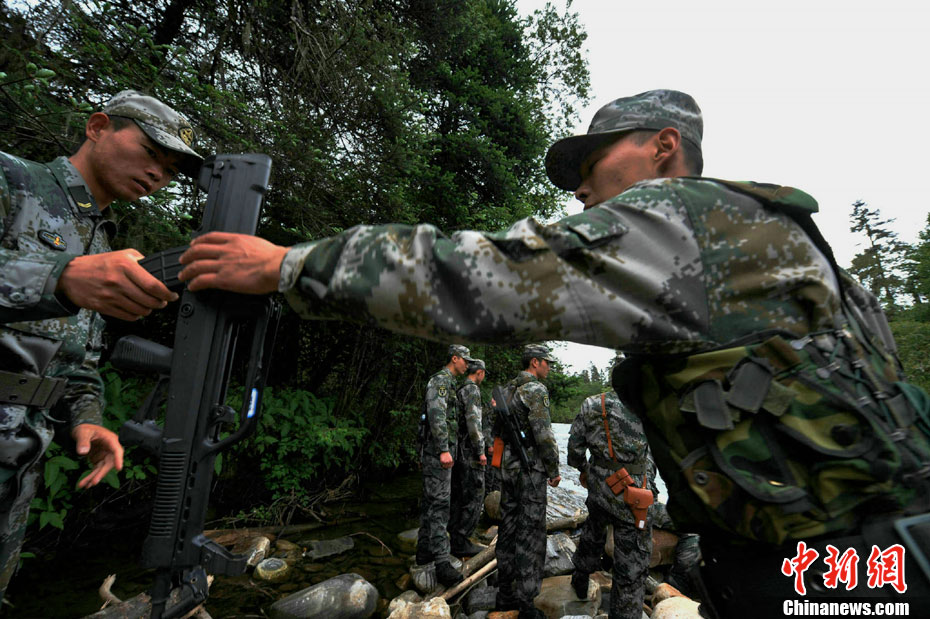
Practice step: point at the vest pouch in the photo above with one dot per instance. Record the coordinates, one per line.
(638, 500)
(618, 481)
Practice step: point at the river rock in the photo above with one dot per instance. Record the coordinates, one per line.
(403, 581)
(557, 598)
(254, 548)
(284, 545)
(559, 551)
(435, 608)
(483, 598)
(273, 569)
(407, 540)
(492, 505)
(404, 599)
(347, 596)
(488, 535)
(676, 608)
(320, 549)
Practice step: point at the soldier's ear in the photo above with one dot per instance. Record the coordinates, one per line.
(96, 125)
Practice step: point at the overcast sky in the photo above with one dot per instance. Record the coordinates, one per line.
(830, 97)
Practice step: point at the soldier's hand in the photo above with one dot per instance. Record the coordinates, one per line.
(554, 481)
(583, 480)
(236, 262)
(445, 459)
(114, 284)
(483, 460)
(102, 448)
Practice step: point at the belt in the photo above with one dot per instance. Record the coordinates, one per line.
(25, 390)
(633, 468)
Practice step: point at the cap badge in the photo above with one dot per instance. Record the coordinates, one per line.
(187, 135)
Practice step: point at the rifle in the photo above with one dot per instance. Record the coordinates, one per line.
(194, 377)
(510, 426)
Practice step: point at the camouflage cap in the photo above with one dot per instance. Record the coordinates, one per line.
(539, 351)
(460, 351)
(163, 125)
(655, 109)
(476, 364)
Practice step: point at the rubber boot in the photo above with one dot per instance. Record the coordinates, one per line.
(447, 575)
(580, 584)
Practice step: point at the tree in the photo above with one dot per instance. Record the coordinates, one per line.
(878, 266)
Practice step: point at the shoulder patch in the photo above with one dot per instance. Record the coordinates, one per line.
(443, 391)
(52, 240)
(546, 401)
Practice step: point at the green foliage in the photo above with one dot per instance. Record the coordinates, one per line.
(567, 392)
(880, 266)
(299, 440)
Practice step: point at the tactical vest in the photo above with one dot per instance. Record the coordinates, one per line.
(781, 438)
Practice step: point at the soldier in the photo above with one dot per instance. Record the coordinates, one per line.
(687, 556)
(521, 540)
(468, 471)
(766, 378)
(438, 437)
(57, 273)
(614, 436)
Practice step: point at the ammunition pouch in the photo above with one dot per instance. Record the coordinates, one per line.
(34, 391)
(619, 481)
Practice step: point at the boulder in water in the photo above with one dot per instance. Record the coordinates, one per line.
(347, 596)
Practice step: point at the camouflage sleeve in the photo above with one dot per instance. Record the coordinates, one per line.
(472, 402)
(577, 441)
(28, 278)
(536, 398)
(613, 275)
(84, 400)
(436, 403)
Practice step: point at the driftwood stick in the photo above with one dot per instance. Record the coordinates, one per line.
(569, 522)
(474, 564)
(481, 573)
(138, 607)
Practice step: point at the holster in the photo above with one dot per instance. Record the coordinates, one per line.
(619, 481)
(638, 500)
(498, 452)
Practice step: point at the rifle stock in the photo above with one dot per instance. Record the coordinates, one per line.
(195, 376)
(513, 435)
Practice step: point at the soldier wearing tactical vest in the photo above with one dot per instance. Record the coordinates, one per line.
(468, 470)
(615, 439)
(437, 442)
(521, 541)
(57, 273)
(766, 378)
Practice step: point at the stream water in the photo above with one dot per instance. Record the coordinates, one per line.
(65, 585)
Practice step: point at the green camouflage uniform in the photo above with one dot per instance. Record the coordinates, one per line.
(668, 270)
(439, 436)
(467, 474)
(48, 217)
(632, 546)
(521, 542)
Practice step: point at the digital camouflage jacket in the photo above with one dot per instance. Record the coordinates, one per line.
(529, 403)
(442, 429)
(48, 217)
(630, 448)
(471, 437)
(670, 269)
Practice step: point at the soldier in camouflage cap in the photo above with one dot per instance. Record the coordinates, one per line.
(56, 273)
(438, 435)
(521, 542)
(468, 471)
(766, 378)
(627, 448)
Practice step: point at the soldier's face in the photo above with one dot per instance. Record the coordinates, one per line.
(611, 169)
(128, 165)
(459, 364)
(479, 377)
(542, 371)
